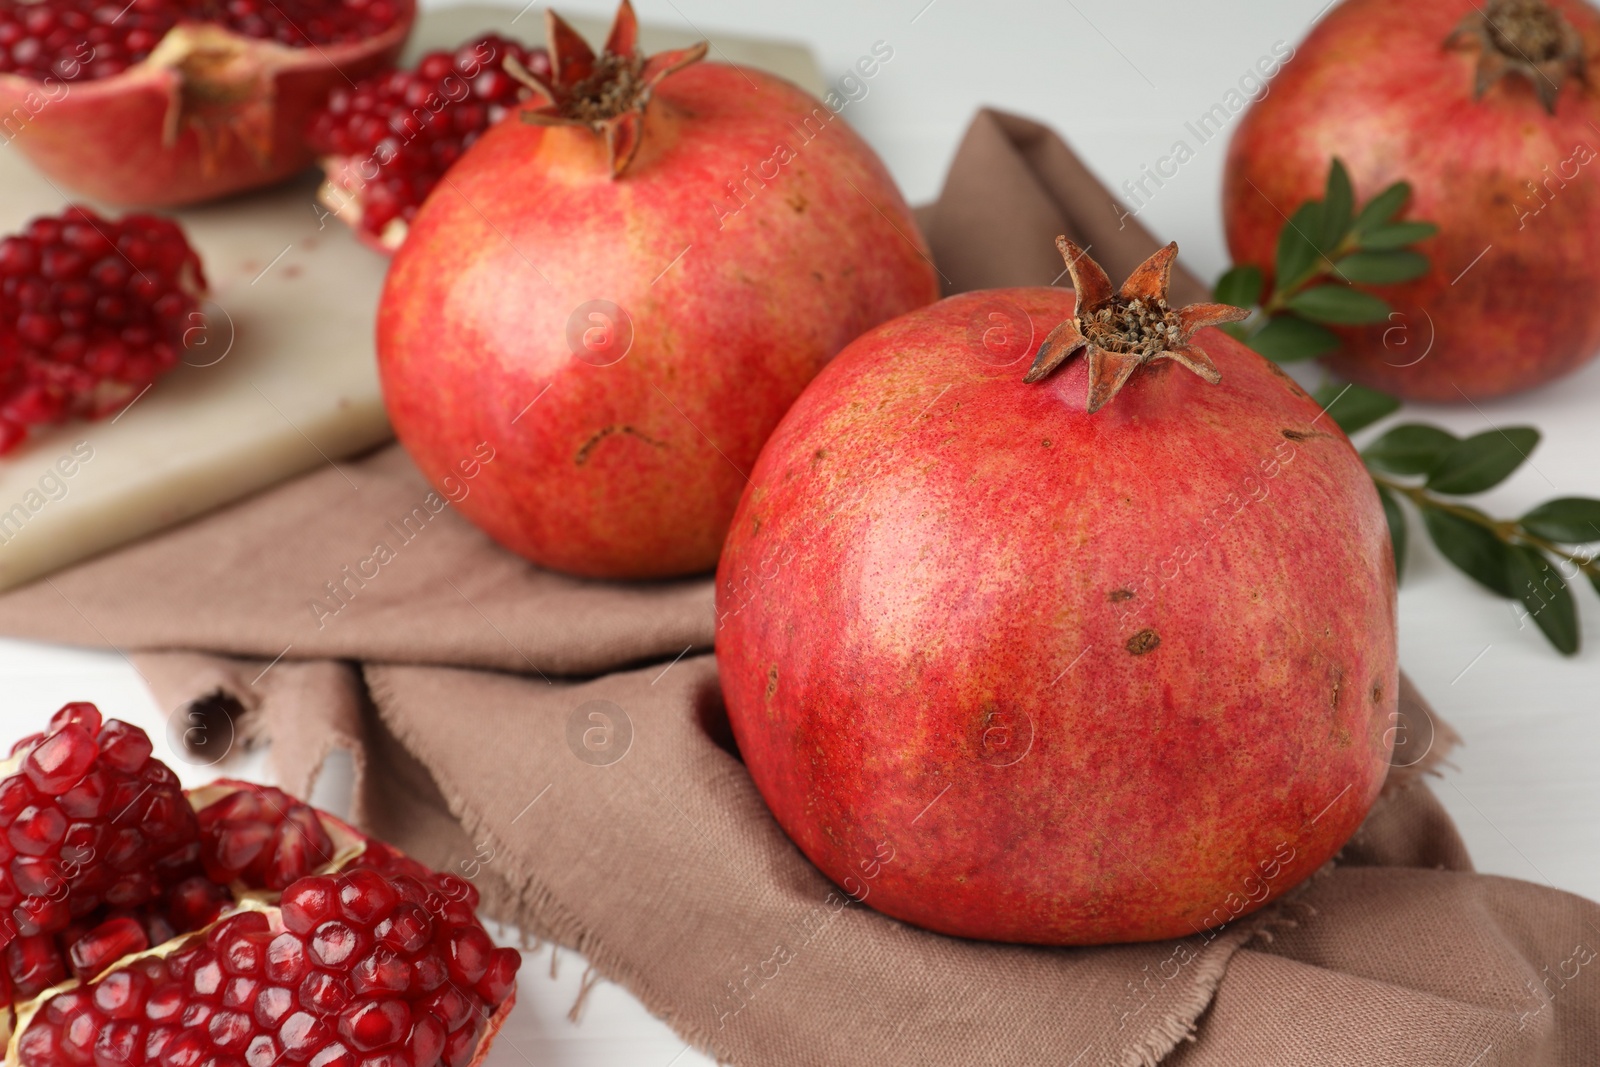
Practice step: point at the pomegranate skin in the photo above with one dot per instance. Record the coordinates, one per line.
(1007, 670)
(632, 469)
(1374, 85)
(120, 140)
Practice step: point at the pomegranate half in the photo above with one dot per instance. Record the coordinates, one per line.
(1485, 109)
(624, 289)
(1102, 654)
(168, 102)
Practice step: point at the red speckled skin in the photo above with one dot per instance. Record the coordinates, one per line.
(925, 612)
(107, 138)
(1373, 85)
(632, 470)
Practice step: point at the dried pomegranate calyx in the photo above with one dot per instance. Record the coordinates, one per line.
(1122, 331)
(1528, 38)
(607, 93)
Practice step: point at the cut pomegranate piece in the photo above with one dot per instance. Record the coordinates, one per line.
(216, 997)
(388, 140)
(84, 828)
(173, 101)
(92, 311)
(125, 955)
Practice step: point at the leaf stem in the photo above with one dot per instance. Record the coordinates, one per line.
(1507, 531)
(1320, 268)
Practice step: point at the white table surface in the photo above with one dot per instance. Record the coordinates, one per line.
(1118, 80)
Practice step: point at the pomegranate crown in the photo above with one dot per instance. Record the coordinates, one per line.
(1124, 330)
(607, 93)
(1528, 38)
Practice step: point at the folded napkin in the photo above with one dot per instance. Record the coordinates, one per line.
(564, 744)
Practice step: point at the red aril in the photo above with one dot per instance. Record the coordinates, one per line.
(164, 102)
(1007, 668)
(386, 141)
(622, 290)
(1485, 110)
(92, 311)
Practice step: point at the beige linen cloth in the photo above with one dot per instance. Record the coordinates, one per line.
(563, 742)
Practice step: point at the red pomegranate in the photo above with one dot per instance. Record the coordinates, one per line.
(1007, 668)
(92, 311)
(168, 102)
(386, 141)
(323, 947)
(625, 289)
(1485, 109)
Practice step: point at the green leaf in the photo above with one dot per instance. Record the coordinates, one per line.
(1297, 250)
(1287, 338)
(1483, 460)
(1397, 529)
(1337, 200)
(1240, 287)
(1338, 304)
(1414, 448)
(1397, 235)
(1545, 595)
(1353, 406)
(1476, 551)
(1383, 207)
(1571, 520)
(1382, 268)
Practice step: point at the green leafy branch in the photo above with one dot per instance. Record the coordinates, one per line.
(1325, 246)
(1532, 558)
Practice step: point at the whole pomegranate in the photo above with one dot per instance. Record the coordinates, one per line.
(124, 946)
(1007, 668)
(1485, 109)
(386, 141)
(625, 289)
(167, 102)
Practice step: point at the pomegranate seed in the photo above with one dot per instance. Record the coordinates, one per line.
(286, 959)
(365, 897)
(106, 943)
(459, 1047)
(82, 713)
(335, 943)
(334, 1055)
(121, 995)
(33, 965)
(375, 1024)
(57, 762)
(497, 981)
(406, 931)
(470, 949)
(325, 993)
(39, 828)
(272, 1004)
(124, 747)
